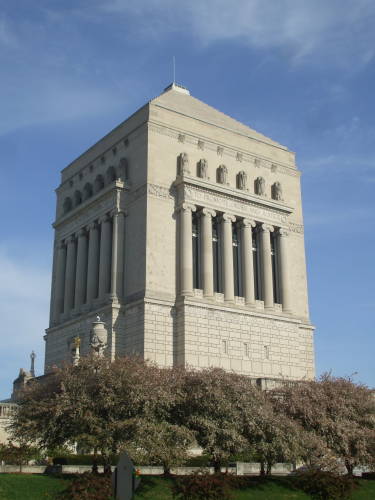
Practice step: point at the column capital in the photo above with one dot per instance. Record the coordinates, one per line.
(208, 211)
(117, 212)
(61, 245)
(92, 225)
(283, 232)
(70, 239)
(81, 232)
(104, 218)
(228, 218)
(267, 228)
(188, 206)
(248, 223)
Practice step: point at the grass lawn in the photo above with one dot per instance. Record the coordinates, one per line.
(37, 487)
(30, 487)
(156, 488)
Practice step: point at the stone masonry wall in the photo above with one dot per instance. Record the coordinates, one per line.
(248, 343)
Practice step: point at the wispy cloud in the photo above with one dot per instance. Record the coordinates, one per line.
(24, 305)
(340, 31)
(7, 36)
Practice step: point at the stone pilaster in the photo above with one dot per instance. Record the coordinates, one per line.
(118, 241)
(186, 249)
(247, 261)
(58, 306)
(105, 256)
(81, 270)
(70, 273)
(284, 270)
(267, 266)
(207, 256)
(93, 263)
(228, 278)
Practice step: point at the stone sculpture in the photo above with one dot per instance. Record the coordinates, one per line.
(202, 168)
(277, 192)
(260, 186)
(242, 180)
(184, 164)
(222, 174)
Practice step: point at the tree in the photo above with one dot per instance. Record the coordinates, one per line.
(160, 443)
(276, 438)
(338, 411)
(17, 454)
(96, 404)
(210, 406)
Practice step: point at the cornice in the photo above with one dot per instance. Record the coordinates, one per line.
(238, 195)
(223, 149)
(93, 202)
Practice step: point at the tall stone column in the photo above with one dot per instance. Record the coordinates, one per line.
(284, 271)
(81, 271)
(70, 274)
(247, 261)
(93, 263)
(186, 249)
(105, 256)
(118, 240)
(267, 266)
(58, 305)
(207, 255)
(228, 278)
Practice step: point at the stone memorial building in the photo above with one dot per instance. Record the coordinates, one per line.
(182, 229)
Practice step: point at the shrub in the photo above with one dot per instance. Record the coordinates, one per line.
(323, 485)
(202, 487)
(368, 475)
(88, 486)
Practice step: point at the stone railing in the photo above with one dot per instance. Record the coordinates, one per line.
(6, 410)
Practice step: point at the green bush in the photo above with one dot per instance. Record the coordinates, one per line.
(88, 486)
(202, 487)
(323, 485)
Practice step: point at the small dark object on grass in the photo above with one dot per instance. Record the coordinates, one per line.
(368, 475)
(324, 485)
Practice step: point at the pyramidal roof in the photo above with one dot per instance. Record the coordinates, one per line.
(178, 99)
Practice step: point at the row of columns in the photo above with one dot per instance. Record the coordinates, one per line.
(90, 264)
(186, 275)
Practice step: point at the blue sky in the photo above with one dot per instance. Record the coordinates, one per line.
(301, 72)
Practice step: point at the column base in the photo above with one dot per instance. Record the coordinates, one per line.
(252, 305)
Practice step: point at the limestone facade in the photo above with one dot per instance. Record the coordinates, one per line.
(183, 230)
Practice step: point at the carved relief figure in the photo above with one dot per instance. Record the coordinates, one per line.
(277, 192)
(202, 168)
(222, 174)
(242, 180)
(183, 164)
(97, 345)
(260, 186)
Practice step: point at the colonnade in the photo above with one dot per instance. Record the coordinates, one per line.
(247, 227)
(89, 265)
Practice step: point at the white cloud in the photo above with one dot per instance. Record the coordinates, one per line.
(24, 309)
(338, 30)
(52, 100)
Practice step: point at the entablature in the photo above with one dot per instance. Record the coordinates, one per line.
(225, 199)
(100, 203)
